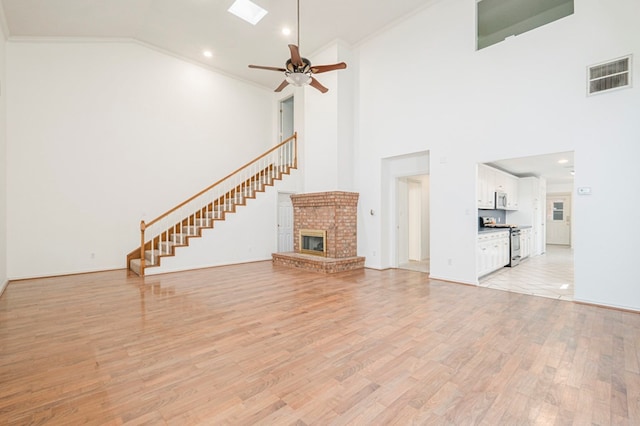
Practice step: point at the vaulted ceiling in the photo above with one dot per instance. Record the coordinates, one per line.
(188, 27)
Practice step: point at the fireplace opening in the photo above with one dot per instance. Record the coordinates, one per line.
(313, 241)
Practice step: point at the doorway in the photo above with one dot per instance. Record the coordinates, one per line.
(544, 205)
(286, 118)
(559, 219)
(412, 226)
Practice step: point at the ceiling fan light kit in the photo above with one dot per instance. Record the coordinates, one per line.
(298, 79)
(298, 71)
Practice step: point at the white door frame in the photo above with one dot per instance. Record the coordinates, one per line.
(286, 119)
(404, 219)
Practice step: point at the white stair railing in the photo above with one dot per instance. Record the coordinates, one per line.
(159, 236)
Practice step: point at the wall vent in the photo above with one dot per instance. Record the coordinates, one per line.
(610, 75)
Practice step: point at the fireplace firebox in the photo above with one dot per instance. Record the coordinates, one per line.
(313, 241)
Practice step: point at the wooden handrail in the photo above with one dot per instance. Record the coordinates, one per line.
(167, 213)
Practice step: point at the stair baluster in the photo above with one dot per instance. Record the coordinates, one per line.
(162, 235)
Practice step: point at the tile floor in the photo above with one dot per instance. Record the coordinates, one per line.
(416, 265)
(547, 275)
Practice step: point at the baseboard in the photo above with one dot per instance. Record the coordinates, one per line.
(3, 286)
(605, 306)
(453, 280)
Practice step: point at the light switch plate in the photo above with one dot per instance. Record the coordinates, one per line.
(584, 190)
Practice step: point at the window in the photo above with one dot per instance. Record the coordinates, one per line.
(499, 19)
(558, 210)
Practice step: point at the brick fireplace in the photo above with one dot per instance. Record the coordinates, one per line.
(334, 213)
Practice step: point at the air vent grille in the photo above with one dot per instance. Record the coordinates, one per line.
(611, 75)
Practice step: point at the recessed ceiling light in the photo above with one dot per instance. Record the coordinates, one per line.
(207, 54)
(563, 161)
(286, 31)
(247, 10)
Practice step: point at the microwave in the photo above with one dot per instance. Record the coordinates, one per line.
(501, 201)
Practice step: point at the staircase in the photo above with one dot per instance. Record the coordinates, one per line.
(160, 237)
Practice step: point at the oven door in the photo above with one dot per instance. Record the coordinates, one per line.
(514, 259)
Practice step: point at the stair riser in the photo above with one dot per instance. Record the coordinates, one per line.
(217, 213)
(190, 230)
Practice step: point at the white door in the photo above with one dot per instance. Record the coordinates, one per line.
(402, 221)
(559, 219)
(286, 118)
(285, 223)
(415, 220)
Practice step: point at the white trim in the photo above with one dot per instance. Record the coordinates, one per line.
(3, 287)
(4, 27)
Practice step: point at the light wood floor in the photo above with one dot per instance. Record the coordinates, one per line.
(257, 344)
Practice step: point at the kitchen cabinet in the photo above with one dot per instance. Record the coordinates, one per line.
(492, 252)
(511, 188)
(490, 181)
(525, 242)
(486, 187)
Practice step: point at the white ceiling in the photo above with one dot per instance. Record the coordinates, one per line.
(188, 27)
(548, 166)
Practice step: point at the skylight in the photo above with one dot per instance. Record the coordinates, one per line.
(247, 10)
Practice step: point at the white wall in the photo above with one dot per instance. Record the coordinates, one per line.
(102, 135)
(328, 125)
(525, 96)
(3, 163)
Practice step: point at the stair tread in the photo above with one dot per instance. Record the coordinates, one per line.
(217, 212)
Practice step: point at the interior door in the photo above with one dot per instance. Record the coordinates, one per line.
(285, 223)
(402, 221)
(286, 118)
(559, 219)
(414, 220)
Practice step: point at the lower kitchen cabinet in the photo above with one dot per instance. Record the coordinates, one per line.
(525, 242)
(492, 252)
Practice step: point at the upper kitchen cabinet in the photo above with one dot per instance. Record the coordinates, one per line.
(511, 188)
(490, 181)
(486, 187)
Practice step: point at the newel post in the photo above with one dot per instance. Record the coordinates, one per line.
(143, 226)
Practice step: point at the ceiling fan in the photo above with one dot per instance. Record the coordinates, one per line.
(298, 70)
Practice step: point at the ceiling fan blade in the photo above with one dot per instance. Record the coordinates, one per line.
(260, 67)
(284, 84)
(296, 59)
(317, 69)
(315, 83)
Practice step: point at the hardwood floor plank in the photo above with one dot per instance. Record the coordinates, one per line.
(258, 344)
